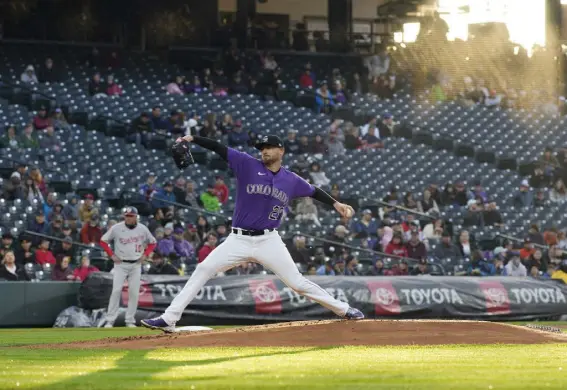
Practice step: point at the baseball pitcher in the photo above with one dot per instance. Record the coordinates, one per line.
(264, 190)
(133, 242)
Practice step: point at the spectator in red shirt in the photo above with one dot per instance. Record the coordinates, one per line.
(43, 255)
(208, 247)
(112, 89)
(396, 246)
(41, 120)
(221, 189)
(91, 233)
(81, 273)
(305, 80)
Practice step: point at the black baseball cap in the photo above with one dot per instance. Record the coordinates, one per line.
(269, 140)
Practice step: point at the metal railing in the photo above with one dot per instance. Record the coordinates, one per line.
(512, 238)
(401, 208)
(53, 238)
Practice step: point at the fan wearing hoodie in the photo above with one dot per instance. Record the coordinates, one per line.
(29, 76)
(165, 245)
(396, 246)
(71, 209)
(515, 268)
(182, 247)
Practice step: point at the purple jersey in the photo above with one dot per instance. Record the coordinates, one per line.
(261, 195)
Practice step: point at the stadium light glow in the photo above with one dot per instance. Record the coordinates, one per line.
(525, 20)
(411, 30)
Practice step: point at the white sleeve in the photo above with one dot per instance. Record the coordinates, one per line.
(109, 235)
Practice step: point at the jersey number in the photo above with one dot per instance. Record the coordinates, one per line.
(276, 213)
(138, 248)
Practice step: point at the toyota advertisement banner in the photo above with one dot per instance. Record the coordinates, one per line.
(266, 298)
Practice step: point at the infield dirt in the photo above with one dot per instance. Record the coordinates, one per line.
(336, 333)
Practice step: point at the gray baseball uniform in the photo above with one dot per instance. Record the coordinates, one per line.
(129, 246)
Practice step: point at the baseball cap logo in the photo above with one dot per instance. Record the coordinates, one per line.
(265, 139)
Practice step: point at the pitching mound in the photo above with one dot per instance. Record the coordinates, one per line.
(337, 333)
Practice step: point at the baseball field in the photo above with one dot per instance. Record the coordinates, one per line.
(306, 355)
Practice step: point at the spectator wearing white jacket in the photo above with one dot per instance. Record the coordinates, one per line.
(306, 210)
(515, 268)
(29, 76)
(318, 176)
(558, 193)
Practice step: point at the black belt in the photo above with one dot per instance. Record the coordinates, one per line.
(251, 232)
(130, 261)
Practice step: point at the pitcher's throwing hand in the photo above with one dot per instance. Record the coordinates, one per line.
(344, 210)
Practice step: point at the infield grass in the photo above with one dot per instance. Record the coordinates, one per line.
(440, 367)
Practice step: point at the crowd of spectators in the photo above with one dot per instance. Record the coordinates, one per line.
(389, 230)
(40, 133)
(100, 89)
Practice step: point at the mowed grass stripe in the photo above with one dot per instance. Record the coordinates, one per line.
(14, 337)
(444, 367)
(18, 337)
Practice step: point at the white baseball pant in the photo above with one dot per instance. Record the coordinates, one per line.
(122, 272)
(268, 250)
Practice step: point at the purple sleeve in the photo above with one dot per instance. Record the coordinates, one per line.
(302, 188)
(237, 160)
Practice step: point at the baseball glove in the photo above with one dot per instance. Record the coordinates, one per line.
(182, 155)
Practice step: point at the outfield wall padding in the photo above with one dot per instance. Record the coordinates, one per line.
(28, 304)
